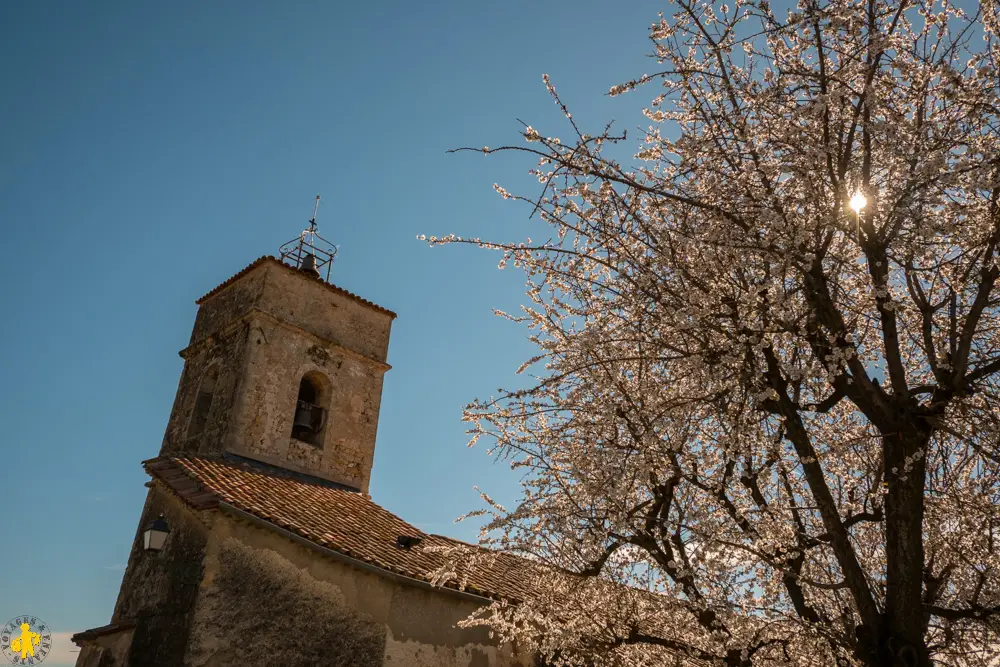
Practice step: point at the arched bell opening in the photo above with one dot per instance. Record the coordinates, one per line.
(311, 408)
(203, 402)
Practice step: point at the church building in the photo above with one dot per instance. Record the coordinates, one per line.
(258, 543)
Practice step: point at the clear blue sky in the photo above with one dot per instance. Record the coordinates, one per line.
(150, 151)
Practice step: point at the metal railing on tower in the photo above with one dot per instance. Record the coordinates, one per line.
(309, 252)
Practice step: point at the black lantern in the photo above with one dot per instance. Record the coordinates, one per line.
(156, 535)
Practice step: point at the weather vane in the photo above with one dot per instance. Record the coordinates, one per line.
(310, 252)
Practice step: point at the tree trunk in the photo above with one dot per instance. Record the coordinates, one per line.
(900, 641)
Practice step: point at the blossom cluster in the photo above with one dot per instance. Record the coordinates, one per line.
(761, 425)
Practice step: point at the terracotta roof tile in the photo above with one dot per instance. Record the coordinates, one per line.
(267, 258)
(338, 519)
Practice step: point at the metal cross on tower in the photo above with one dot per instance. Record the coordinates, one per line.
(310, 252)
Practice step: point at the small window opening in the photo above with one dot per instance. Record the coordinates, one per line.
(310, 415)
(203, 402)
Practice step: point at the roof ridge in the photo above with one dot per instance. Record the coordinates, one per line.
(272, 259)
(277, 471)
(453, 539)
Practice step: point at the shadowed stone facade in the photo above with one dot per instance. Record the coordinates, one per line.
(231, 589)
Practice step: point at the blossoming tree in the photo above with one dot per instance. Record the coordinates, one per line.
(762, 427)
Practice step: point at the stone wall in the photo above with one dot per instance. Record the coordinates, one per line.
(225, 351)
(268, 600)
(303, 301)
(261, 425)
(230, 304)
(312, 306)
(258, 609)
(159, 589)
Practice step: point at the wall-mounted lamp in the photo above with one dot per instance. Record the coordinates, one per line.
(156, 535)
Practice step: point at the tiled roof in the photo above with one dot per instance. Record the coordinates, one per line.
(330, 286)
(341, 520)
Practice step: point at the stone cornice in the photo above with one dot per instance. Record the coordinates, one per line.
(259, 313)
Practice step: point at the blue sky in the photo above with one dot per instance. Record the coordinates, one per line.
(151, 151)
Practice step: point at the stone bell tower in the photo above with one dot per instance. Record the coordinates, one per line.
(284, 368)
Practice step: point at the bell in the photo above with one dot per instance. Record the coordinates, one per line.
(309, 264)
(303, 417)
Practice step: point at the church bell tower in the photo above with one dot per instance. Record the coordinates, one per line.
(284, 368)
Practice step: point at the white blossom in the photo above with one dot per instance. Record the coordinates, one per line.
(764, 428)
